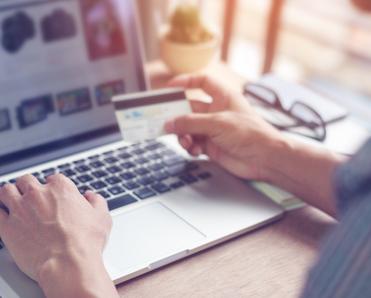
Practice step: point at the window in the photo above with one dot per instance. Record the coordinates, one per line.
(325, 43)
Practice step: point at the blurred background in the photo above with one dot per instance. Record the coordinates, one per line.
(325, 44)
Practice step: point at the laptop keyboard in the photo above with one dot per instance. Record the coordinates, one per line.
(129, 174)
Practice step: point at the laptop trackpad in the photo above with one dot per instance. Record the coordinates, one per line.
(147, 235)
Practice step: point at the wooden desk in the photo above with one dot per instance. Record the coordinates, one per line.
(270, 262)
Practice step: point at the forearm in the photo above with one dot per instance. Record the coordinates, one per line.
(305, 171)
(76, 276)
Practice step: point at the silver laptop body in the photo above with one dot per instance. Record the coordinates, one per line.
(67, 87)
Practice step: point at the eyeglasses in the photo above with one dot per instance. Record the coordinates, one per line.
(303, 119)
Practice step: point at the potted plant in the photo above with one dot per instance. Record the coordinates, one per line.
(187, 44)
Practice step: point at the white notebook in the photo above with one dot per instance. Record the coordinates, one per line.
(289, 93)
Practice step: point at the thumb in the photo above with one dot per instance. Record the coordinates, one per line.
(96, 201)
(193, 124)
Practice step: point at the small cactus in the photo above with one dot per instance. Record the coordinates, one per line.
(187, 26)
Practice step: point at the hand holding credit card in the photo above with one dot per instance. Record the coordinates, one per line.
(142, 116)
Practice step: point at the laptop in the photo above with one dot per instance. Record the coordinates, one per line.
(61, 63)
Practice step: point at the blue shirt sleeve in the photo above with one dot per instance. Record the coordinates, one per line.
(353, 180)
(343, 268)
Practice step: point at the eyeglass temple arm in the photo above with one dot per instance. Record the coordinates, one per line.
(248, 91)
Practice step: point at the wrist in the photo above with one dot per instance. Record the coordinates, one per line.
(277, 151)
(305, 171)
(72, 274)
(288, 155)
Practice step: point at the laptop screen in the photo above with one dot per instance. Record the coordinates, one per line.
(61, 61)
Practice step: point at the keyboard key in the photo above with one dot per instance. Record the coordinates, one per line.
(142, 171)
(160, 175)
(141, 160)
(97, 164)
(107, 153)
(98, 185)
(160, 187)
(82, 168)
(138, 151)
(113, 180)
(177, 184)
(123, 148)
(116, 190)
(188, 178)
(144, 193)
(173, 160)
(205, 175)
(80, 161)
(48, 171)
(154, 156)
(42, 180)
(128, 176)
(104, 194)
(69, 173)
(99, 174)
(177, 169)
(111, 160)
(156, 166)
(48, 175)
(154, 146)
(128, 165)
(120, 202)
(64, 166)
(146, 180)
(94, 157)
(83, 189)
(134, 147)
(75, 181)
(167, 152)
(85, 178)
(131, 185)
(113, 169)
(125, 155)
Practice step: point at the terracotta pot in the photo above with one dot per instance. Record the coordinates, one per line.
(186, 58)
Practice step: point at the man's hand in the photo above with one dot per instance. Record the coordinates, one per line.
(54, 234)
(228, 130)
(231, 133)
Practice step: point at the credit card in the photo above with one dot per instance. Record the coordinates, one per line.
(142, 116)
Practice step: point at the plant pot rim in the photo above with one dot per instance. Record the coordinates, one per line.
(210, 42)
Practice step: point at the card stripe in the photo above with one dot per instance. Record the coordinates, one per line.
(134, 102)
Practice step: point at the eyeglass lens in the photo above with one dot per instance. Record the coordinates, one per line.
(306, 114)
(312, 120)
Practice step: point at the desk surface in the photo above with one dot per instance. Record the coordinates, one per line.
(270, 262)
